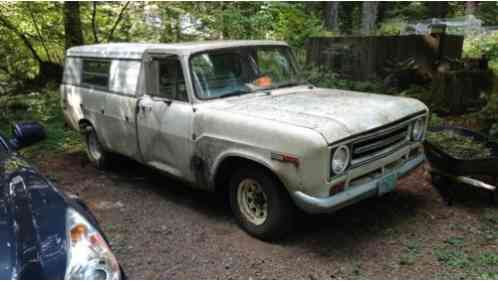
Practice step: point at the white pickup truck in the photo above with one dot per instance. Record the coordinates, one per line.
(237, 116)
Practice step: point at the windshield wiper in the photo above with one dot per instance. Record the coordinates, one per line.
(284, 85)
(235, 93)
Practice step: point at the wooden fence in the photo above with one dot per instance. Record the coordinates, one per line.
(363, 58)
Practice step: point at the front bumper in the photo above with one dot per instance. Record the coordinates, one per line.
(354, 193)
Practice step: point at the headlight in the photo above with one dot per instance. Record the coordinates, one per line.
(418, 129)
(89, 256)
(340, 159)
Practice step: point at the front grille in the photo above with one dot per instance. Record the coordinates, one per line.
(379, 143)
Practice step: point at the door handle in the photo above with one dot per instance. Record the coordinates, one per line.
(83, 108)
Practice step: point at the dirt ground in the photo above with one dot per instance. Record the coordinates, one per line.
(159, 228)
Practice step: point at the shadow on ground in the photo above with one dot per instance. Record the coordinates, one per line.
(344, 229)
(162, 229)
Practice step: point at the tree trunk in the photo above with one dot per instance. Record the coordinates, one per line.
(116, 23)
(94, 23)
(331, 16)
(72, 25)
(369, 17)
(437, 9)
(224, 22)
(178, 28)
(470, 7)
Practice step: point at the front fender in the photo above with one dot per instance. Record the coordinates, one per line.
(214, 151)
(238, 153)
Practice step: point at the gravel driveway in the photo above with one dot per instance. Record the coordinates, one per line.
(159, 228)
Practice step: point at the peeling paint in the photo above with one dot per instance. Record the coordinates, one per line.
(335, 114)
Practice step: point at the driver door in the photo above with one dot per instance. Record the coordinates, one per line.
(165, 118)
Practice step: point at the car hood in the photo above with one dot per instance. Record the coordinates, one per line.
(335, 114)
(32, 226)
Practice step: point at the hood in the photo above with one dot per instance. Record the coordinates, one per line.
(335, 114)
(32, 225)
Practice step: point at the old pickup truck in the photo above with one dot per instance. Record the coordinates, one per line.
(238, 117)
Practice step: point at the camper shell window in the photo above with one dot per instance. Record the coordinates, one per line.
(96, 73)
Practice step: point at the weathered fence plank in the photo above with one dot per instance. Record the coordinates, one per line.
(361, 58)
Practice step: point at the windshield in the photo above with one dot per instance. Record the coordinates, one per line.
(222, 73)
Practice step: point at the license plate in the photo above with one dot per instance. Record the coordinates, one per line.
(388, 183)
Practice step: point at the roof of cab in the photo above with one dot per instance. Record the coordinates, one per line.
(136, 50)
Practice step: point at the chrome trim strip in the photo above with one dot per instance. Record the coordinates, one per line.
(369, 158)
(380, 143)
(379, 132)
(384, 153)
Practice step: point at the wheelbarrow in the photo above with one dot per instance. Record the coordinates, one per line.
(446, 169)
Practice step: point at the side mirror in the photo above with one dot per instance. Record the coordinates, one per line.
(26, 133)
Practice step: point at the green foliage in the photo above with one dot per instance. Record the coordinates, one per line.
(44, 107)
(481, 44)
(458, 256)
(327, 79)
(391, 27)
(435, 120)
(488, 116)
(460, 147)
(489, 259)
(247, 20)
(488, 13)
(294, 23)
(350, 17)
(405, 11)
(42, 24)
(420, 92)
(410, 253)
(455, 241)
(493, 131)
(485, 44)
(452, 258)
(457, 259)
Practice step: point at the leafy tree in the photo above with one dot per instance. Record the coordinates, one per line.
(34, 36)
(34, 31)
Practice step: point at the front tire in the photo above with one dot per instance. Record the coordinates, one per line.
(260, 203)
(94, 149)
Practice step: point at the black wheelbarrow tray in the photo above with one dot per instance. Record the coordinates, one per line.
(480, 173)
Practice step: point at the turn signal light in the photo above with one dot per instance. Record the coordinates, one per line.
(337, 188)
(285, 158)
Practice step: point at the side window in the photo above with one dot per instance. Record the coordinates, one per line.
(170, 79)
(95, 73)
(124, 76)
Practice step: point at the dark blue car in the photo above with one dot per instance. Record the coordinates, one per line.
(45, 234)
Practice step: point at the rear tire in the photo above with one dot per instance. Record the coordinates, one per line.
(94, 150)
(260, 203)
